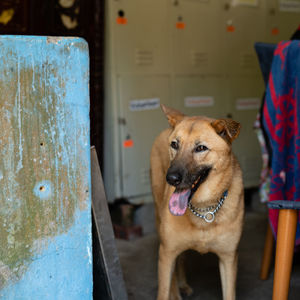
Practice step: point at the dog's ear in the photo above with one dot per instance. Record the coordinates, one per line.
(227, 129)
(174, 116)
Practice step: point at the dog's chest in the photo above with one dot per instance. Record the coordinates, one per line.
(214, 238)
(202, 241)
(186, 235)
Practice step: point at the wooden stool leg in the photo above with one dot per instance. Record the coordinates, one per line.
(268, 253)
(286, 234)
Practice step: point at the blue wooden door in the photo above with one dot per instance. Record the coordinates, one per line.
(45, 184)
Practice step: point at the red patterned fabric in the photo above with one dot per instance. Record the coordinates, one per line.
(281, 120)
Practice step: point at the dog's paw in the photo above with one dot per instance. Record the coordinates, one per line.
(175, 297)
(186, 290)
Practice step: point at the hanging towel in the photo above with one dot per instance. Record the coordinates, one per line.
(281, 120)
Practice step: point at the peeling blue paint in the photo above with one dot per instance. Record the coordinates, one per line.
(45, 184)
(43, 189)
(44, 278)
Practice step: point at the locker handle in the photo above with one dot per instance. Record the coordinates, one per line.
(122, 121)
(226, 6)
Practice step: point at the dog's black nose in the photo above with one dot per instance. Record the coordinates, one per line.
(174, 178)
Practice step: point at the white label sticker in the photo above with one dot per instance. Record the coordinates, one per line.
(244, 2)
(199, 101)
(247, 103)
(144, 104)
(289, 5)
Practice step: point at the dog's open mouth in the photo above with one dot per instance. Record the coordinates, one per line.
(179, 199)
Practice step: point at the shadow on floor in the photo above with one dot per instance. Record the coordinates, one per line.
(139, 264)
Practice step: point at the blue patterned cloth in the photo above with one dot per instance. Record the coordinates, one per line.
(281, 120)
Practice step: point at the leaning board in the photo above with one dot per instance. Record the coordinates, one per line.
(45, 184)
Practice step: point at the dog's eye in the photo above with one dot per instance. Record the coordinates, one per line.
(201, 148)
(175, 145)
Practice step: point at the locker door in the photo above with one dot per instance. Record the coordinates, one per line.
(241, 27)
(195, 42)
(142, 120)
(280, 24)
(201, 95)
(245, 94)
(140, 41)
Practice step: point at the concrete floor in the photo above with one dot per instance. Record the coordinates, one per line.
(139, 262)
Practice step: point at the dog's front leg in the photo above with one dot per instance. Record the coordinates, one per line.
(166, 264)
(180, 270)
(228, 271)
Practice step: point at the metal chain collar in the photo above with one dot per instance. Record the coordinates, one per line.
(209, 215)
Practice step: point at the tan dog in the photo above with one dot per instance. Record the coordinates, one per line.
(198, 191)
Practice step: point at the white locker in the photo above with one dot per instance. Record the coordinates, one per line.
(195, 47)
(241, 27)
(194, 55)
(246, 93)
(141, 121)
(281, 24)
(137, 44)
(141, 40)
(201, 95)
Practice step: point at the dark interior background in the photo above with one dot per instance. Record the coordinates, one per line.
(85, 19)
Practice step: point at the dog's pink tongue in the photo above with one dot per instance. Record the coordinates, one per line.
(178, 202)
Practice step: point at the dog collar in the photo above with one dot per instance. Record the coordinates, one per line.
(210, 211)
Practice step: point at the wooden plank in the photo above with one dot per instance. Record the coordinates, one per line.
(45, 183)
(108, 255)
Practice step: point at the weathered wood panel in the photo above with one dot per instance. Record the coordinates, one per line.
(108, 264)
(45, 224)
